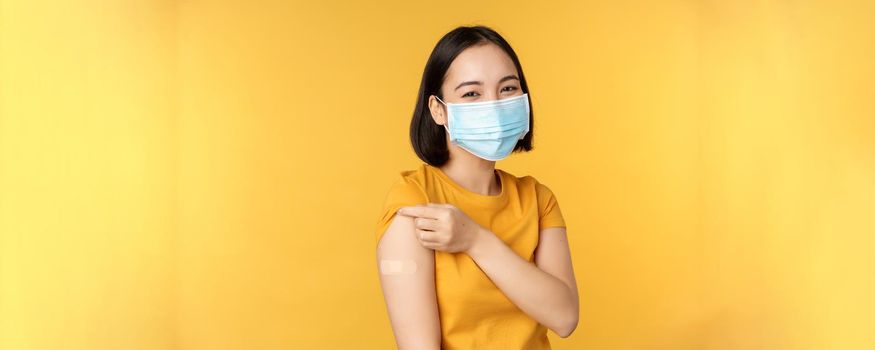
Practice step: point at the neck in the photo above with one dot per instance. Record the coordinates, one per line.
(473, 173)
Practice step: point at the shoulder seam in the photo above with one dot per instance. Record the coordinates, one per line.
(406, 179)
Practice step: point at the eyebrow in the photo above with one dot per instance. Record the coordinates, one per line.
(506, 78)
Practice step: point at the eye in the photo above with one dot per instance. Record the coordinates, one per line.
(471, 94)
(508, 88)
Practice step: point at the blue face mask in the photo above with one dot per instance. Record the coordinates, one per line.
(489, 129)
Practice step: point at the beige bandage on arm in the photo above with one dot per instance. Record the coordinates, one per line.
(397, 267)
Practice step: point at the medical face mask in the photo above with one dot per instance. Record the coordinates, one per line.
(489, 129)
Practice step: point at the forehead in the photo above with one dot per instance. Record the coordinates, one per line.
(486, 62)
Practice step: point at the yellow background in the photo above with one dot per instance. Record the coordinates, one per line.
(207, 174)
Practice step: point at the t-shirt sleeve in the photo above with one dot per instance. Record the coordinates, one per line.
(402, 193)
(548, 208)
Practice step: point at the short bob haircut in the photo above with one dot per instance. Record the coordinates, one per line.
(429, 138)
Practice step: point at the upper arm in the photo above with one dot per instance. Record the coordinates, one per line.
(410, 297)
(553, 256)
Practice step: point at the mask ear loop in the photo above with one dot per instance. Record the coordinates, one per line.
(439, 99)
(448, 116)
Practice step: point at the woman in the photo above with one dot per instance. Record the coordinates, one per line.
(470, 256)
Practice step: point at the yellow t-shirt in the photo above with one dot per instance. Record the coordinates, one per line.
(474, 313)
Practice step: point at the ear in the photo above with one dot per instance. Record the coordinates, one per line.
(437, 111)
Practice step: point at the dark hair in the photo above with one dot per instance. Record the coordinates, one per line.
(427, 137)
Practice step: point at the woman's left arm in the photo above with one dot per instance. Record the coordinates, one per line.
(545, 290)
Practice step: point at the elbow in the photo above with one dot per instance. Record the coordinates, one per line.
(566, 330)
(568, 326)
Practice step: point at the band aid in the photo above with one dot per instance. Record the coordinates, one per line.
(397, 267)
